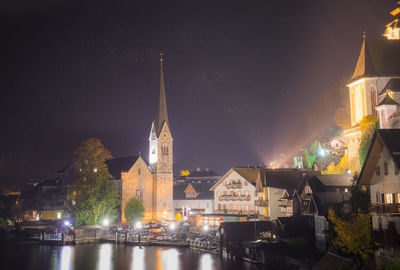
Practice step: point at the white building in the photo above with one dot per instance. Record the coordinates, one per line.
(236, 192)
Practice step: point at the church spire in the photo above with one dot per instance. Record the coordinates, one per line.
(162, 114)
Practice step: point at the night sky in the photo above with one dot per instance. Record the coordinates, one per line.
(244, 79)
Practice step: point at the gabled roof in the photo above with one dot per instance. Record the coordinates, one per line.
(393, 85)
(248, 173)
(289, 179)
(387, 100)
(388, 139)
(336, 180)
(118, 165)
(378, 58)
(202, 189)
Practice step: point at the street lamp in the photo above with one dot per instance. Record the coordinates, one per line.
(106, 222)
(172, 226)
(205, 227)
(138, 225)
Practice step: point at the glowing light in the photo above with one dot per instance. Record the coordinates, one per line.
(95, 170)
(322, 152)
(106, 222)
(165, 213)
(348, 171)
(66, 258)
(67, 223)
(58, 215)
(172, 226)
(205, 227)
(105, 256)
(138, 225)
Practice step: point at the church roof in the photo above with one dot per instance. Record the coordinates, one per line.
(118, 165)
(393, 85)
(387, 101)
(162, 113)
(378, 58)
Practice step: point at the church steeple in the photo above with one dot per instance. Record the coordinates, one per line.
(162, 113)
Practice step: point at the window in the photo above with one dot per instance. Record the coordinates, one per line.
(219, 193)
(224, 206)
(396, 170)
(219, 206)
(246, 193)
(378, 170)
(373, 100)
(164, 150)
(232, 207)
(346, 190)
(378, 196)
(247, 207)
(58, 215)
(385, 166)
(389, 198)
(139, 171)
(383, 198)
(239, 208)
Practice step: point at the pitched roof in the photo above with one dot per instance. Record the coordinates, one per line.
(248, 173)
(378, 58)
(201, 187)
(388, 139)
(387, 100)
(118, 165)
(289, 179)
(392, 85)
(337, 180)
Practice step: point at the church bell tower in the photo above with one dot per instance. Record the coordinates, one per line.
(160, 156)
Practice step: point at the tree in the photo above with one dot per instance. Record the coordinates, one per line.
(134, 210)
(102, 202)
(367, 125)
(306, 159)
(360, 197)
(353, 235)
(90, 162)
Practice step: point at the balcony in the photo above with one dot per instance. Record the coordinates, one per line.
(234, 198)
(261, 203)
(234, 185)
(386, 208)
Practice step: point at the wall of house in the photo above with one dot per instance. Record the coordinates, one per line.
(245, 188)
(275, 203)
(207, 206)
(387, 184)
(138, 177)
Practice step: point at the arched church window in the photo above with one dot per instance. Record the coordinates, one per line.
(139, 194)
(373, 100)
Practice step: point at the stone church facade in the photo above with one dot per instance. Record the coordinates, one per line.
(152, 183)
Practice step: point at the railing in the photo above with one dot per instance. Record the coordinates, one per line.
(234, 186)
(261, 203)
(234, 198)
(386, 208)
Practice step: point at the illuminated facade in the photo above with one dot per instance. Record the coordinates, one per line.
(373, 90)
(393, 28)
(153, 183)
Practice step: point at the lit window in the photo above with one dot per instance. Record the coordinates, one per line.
(232, 207)
(239, 208)
(219, 193)
(247, 208)
(246, 193)
(346, 190)
(389, 198)
(58, 215)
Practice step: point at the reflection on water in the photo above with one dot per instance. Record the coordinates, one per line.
(110, 256)
(66, 258)
(138, 261)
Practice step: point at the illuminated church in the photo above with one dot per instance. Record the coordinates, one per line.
(375, 86)
(151, 183)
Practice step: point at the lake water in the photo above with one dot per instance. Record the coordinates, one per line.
(109, 256)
